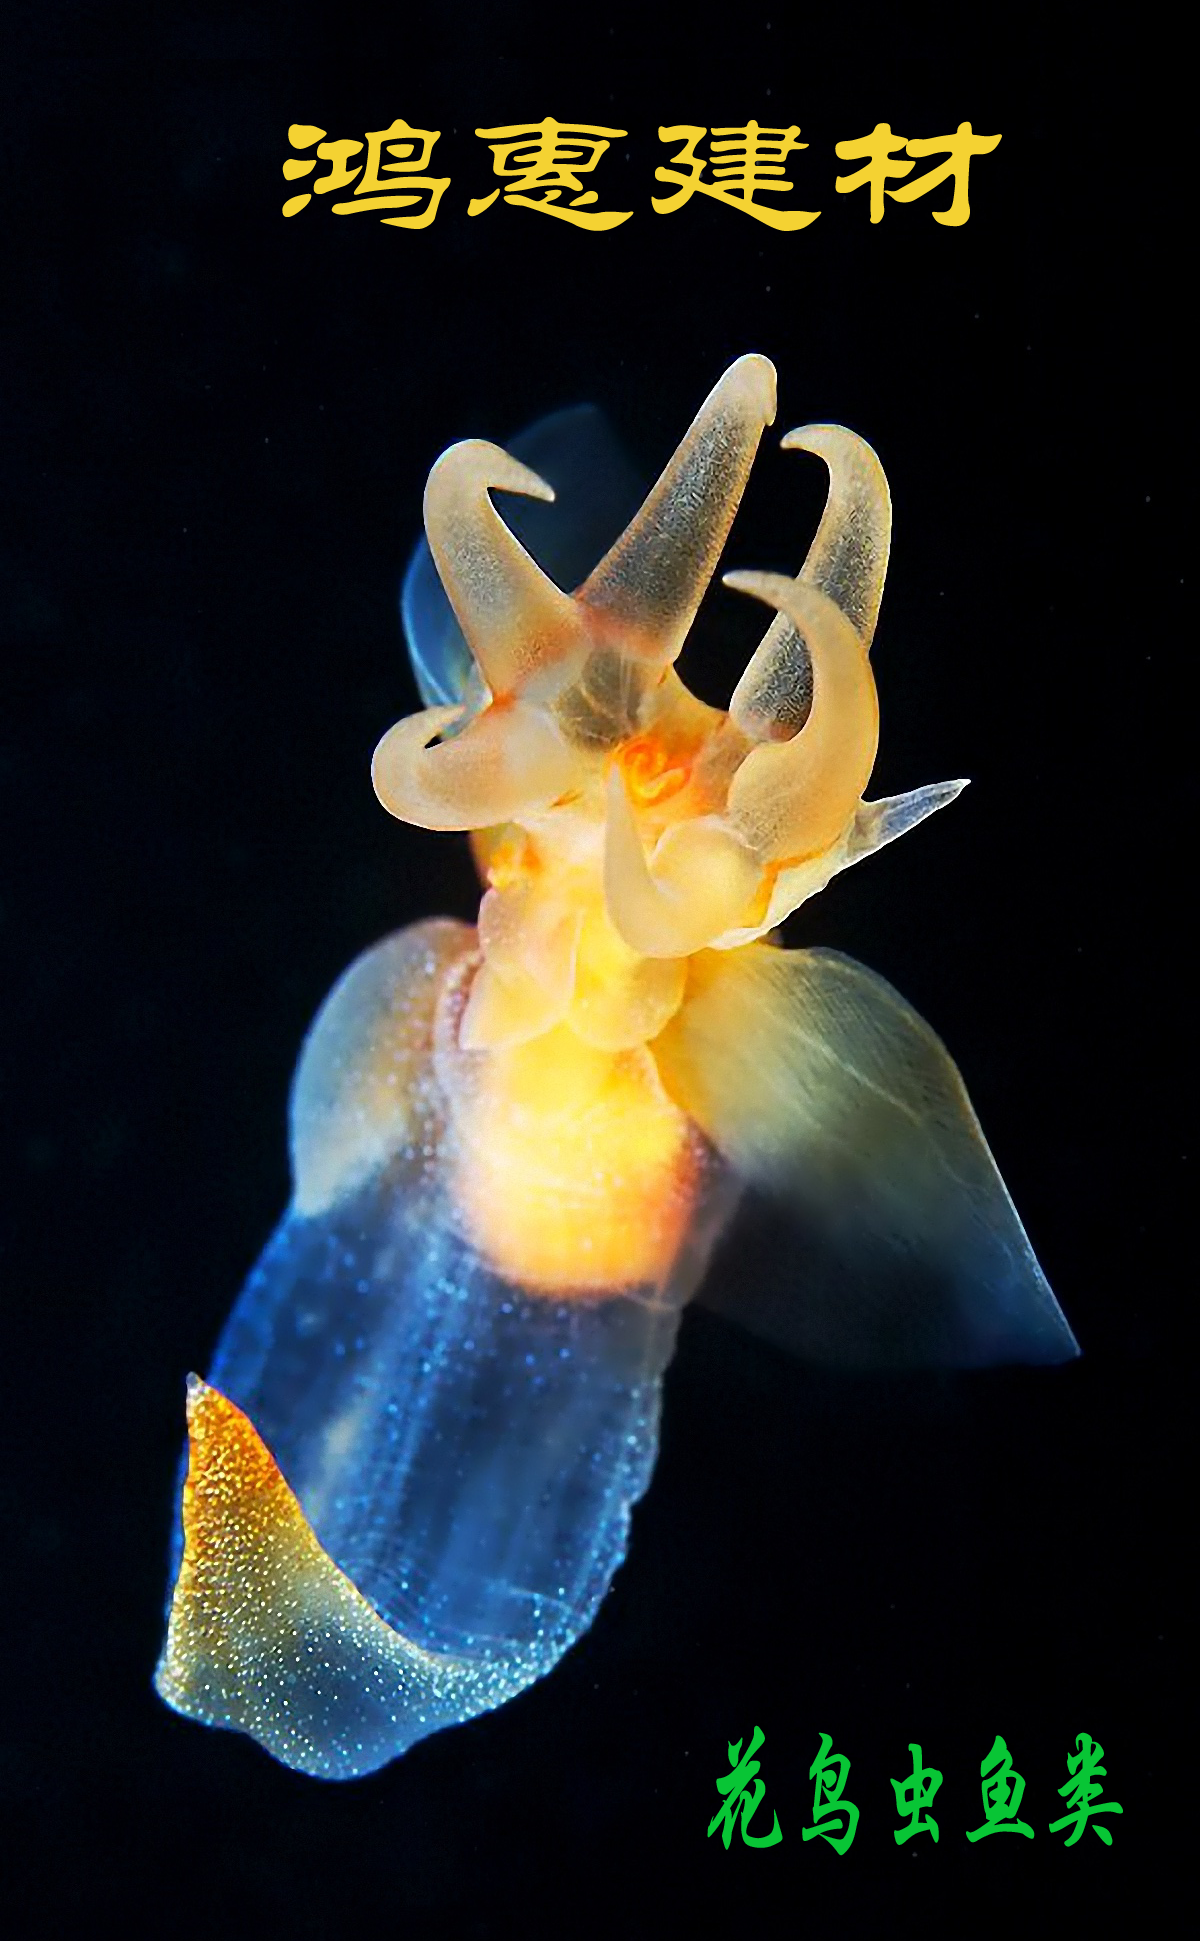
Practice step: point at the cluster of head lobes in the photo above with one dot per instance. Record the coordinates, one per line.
(622, 824)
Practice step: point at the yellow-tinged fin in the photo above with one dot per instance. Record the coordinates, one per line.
(267, 1636)
(894, 1239)
(361, 1091)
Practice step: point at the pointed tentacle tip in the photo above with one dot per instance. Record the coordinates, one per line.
(760, 585)
(395, 761)
(881, 821)
(922, 802)
(518, 625)
(821, 438)
(935, 795)
(755, 376)
(476, 464)
(508, 761)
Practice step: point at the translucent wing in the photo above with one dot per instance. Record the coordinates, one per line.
(887, 1236)
(597, 492)
(410, 1479)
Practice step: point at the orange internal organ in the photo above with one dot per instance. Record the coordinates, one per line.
(576, 1171)
(652, 774)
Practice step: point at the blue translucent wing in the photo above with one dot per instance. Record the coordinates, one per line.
(877, 1231)
(466, 1453)
(598, 492)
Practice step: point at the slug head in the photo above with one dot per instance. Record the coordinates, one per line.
(622, 824)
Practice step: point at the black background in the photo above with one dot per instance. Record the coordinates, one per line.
(218, 426)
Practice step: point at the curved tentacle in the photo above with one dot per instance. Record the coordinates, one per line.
(847, 561)
(596, 489)
(508, 761)
(792, 799)
(516, 621)
(650, 583)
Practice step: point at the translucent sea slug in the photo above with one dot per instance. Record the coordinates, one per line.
(411, 1471)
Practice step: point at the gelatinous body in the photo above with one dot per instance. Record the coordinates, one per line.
(412, 1468)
